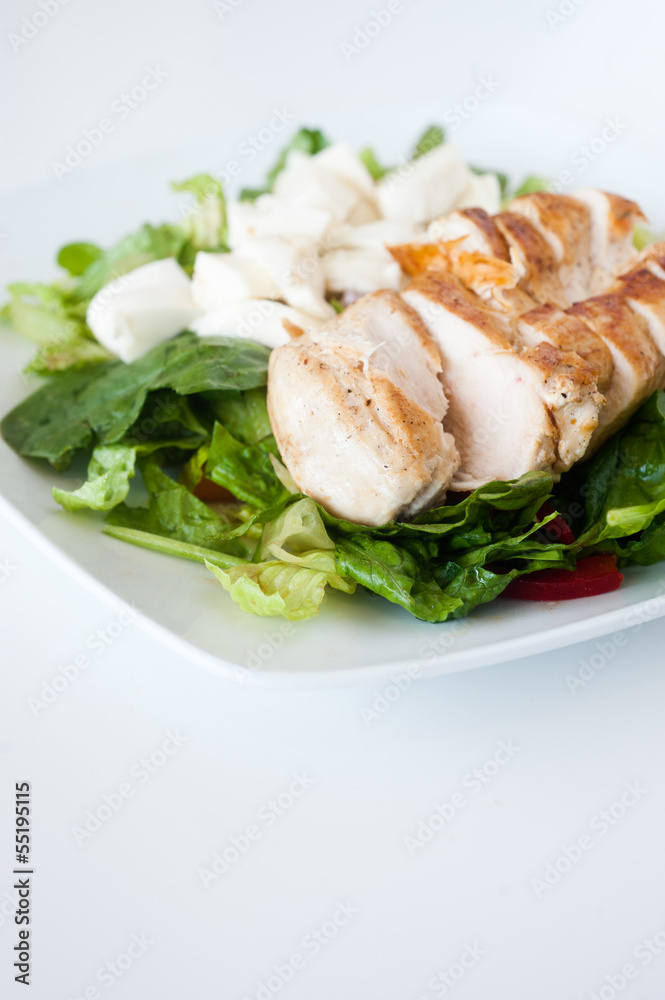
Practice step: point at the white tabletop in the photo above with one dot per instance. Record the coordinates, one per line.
(496, 833)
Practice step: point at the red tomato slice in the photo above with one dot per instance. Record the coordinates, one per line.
(593, 575)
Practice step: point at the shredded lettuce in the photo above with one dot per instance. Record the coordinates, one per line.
(205, 224)
(109, 472)
(298, 561)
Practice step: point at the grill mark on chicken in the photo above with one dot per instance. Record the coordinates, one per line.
(523, 365)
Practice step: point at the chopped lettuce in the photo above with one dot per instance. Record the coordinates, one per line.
(109, 472)
(244, 469)
(174, 513)
(102, 403)
(205, 223)
(625, 483)
(532, 183)
(368, 157)
(298, 561)
(77, 257)
(432, 137)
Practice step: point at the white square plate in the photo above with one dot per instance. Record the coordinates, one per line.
(354, 639)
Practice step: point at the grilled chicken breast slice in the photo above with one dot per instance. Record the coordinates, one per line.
(502, 427)
(533, 255)
(638, 366)
(352, 439)
(569, 333)
(613, 220)
(385, 334)
(565, 223)
(644, 291)
(476, 230)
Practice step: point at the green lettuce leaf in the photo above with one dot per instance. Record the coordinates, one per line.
(145, 245)
(205, 223)
(376, 169)
(174, 513)
(104, 401)
(77, 257)
(109, 472)
(245, 470)
(531, 184)
(298, 561)
(47, 315)
(244, 414)
(171, 546)
(625, 483)
(393, 572)
(432, 137)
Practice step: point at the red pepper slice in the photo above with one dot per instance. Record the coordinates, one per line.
(593, 575)
(557, 529)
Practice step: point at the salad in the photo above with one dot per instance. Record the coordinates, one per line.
(155, 356)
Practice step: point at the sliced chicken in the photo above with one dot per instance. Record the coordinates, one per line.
(645, 293)
(565, 223)
(533, 255)
(569, 333)
(384, 333)
(613, 220)
(475, 227)
(638, 366)
(509, 412)
(352, 439)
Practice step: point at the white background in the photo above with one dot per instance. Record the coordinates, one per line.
(375, 779)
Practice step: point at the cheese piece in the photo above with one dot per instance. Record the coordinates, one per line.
(139, 310)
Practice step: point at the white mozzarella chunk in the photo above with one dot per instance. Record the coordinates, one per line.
(295, 269)
(141, 309)
(483, 191)
(255, 319)
(361, 270)
(428, 187)
(340, 159)
(222, 278)
(270, 216)
(372, 236)
(305, 183)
